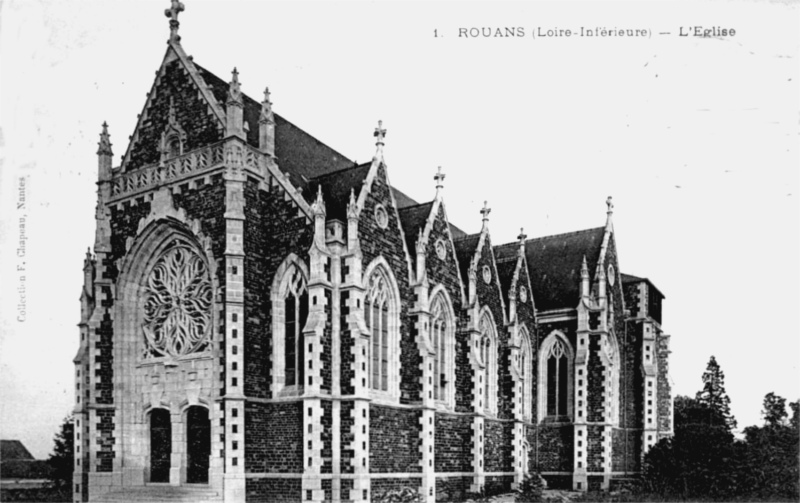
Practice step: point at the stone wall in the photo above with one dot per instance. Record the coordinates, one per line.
(274, 228)
(191, 112)
(489, 294)
(273, 490)
(389, 244)
(274, 437)
(498, 446)
(453, 443)
(393, 440)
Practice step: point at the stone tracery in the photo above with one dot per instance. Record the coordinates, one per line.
(177, 309)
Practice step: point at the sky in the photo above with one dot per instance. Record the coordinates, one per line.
(696, 139)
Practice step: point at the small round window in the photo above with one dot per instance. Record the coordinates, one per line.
(523, 294)
(612, 276)
(441, 249)
(487, 274)
(381, 217)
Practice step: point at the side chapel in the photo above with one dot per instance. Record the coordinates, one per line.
(262, 319)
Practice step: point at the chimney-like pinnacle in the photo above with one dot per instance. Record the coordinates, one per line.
(104, 146)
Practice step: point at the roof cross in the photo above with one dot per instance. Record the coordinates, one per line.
(234, 88)
(176, 7)
(485, 212)
(439, 177)
(380, 134)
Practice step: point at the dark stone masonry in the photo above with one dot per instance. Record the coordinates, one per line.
(262, 319)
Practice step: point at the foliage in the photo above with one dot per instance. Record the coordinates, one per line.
(530, 490)
(704, 461)
(774, 409)
(713, 394)
(771, 466)
(698, 461)
(61, 460)
(399, 495)
(795, 421)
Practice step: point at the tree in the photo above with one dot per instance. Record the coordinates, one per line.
(774, 409)
(699, 461)
(795, 422)
(61, 460)
(713, 394)
(770, 465)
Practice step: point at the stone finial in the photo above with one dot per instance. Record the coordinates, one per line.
(88, 259)
(522, 236)
(266, 108)
(439, 177)
(104, 146)
(234, 89)
(610, 211)
(318, 206)
(266, 126)
(176, 7)
(380, 136)
(485, 212)
(584, 278)
(352, 207)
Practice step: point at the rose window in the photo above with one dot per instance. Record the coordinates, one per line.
(177, 309)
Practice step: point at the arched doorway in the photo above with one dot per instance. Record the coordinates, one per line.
(198, 445)
(160, 445)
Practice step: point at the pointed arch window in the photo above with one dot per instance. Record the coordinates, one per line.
(174, 147)
(488, 348)
(377, 318)
(381, 316)
(526, 376)
(296, 315)
(443, 341)
(289, 317)
(555, 376)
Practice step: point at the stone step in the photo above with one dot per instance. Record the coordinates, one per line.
(162, 493)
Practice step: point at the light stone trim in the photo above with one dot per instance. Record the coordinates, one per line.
(650, 392)
(167, 384)
(380, 268)
(576, 370)
(478, 476)
(278, 293)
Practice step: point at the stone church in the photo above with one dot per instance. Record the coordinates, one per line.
(262, 319)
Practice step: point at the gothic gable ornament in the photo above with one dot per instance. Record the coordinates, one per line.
(523, 294)
(381, 217)
(612, 276)
(173, 137)
(441, 250)
(487, 274)
(177, 308)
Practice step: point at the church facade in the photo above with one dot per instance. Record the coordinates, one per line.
(265, 320)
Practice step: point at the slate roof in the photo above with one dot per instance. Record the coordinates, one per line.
(413, 219)
(630, 278)
(402, 200)
(555, 266)
(299, 154)
(465, 251)
(336, 188)
(506, 259)
(14, 450)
